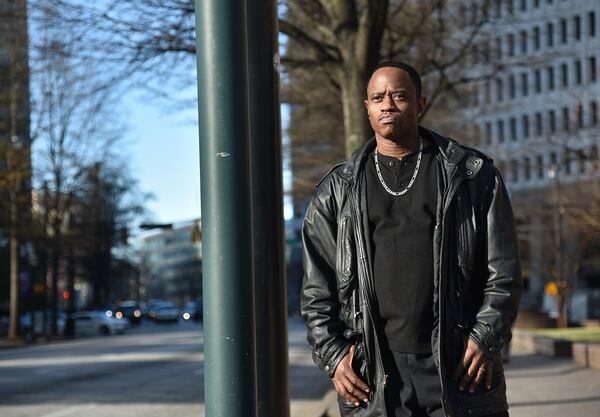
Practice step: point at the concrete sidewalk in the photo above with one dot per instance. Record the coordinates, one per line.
(538, 386)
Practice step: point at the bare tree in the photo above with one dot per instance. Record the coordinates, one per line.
(15, 166)
(73, 127)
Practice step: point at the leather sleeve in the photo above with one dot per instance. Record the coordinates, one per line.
(502, 291)
(319, 300)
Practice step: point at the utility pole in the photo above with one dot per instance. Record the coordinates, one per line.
(267, 209)
(228, 281)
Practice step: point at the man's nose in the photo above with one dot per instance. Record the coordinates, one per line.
(388, 103)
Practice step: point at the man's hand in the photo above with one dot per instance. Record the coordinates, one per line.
(473, 367)
(347, 384)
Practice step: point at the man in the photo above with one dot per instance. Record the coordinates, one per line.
(412, 278)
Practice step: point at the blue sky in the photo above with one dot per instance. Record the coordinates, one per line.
(165, 158)
(164, 151)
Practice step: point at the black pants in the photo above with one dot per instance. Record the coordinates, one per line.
(413, 386)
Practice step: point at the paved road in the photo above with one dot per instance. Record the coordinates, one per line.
(151, 371)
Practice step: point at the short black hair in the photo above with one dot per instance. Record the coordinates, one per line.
(412, 73)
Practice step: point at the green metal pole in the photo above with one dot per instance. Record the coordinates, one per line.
(229, 350)
(267, 209)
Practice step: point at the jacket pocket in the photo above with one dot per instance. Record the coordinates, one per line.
(466, 232)
(346, 258)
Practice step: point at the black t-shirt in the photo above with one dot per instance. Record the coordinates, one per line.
(402, 241)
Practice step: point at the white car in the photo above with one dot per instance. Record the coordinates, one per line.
(166, 313)
(97, 322)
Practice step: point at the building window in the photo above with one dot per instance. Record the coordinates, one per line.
(550, 75)
(552, 121)
(500, 126)
(524, 84)
(564, 75)
(591, 24)
(594, 157)
(539, 124)
(514, 169)
(563, 30)
(527, 166)
(498, 8)
(498, 49)
(550, 35)
(537, 75)
(488, 132)
(536, 38)
(523, 5)
(578, 76)
(513, 129)
(581, 159)
(512, 86)
(499, 89)
(567, 159)
(525, 122)
(540, 166)
(523, 42)
(510, 6)
(592, 68)
(487, 93)
(485, 51)
(536, 3)
(577, 28)
(511, 44)
(594, 113)
(566, 121)
(580, 115)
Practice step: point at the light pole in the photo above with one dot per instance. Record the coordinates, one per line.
(558, 213)
(228, 279)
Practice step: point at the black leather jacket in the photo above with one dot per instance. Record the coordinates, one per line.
(477, 281)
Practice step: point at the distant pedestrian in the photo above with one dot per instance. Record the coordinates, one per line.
(412, 279)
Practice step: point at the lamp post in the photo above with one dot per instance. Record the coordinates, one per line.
(228, 279)
(558, 213)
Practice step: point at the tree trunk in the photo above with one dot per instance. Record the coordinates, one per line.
(13, 332)
(54, 290)
(356, 124)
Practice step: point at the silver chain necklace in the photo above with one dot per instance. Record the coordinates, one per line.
(412, 180)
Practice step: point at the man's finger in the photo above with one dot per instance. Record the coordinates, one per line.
(480, 373)
(488, 378)
(360, 384)
(353, 393)
(355, 385)
(463, 364)
(350, 354)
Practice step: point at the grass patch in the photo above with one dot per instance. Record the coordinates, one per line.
(574, 334)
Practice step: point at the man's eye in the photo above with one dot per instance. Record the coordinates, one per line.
(376, 98)
(398, 96)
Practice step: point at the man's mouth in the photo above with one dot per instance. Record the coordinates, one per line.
(388, 118)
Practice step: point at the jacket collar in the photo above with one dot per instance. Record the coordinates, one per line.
(450, 151)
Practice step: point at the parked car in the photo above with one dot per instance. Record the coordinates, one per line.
(166, 313)
(192, 311)
(149, 310)
(98, 322)
(129, 310)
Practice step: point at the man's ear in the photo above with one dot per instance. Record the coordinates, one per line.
(366, 103)
(421, 103)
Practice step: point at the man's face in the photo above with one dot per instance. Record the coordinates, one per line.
(392, 103)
